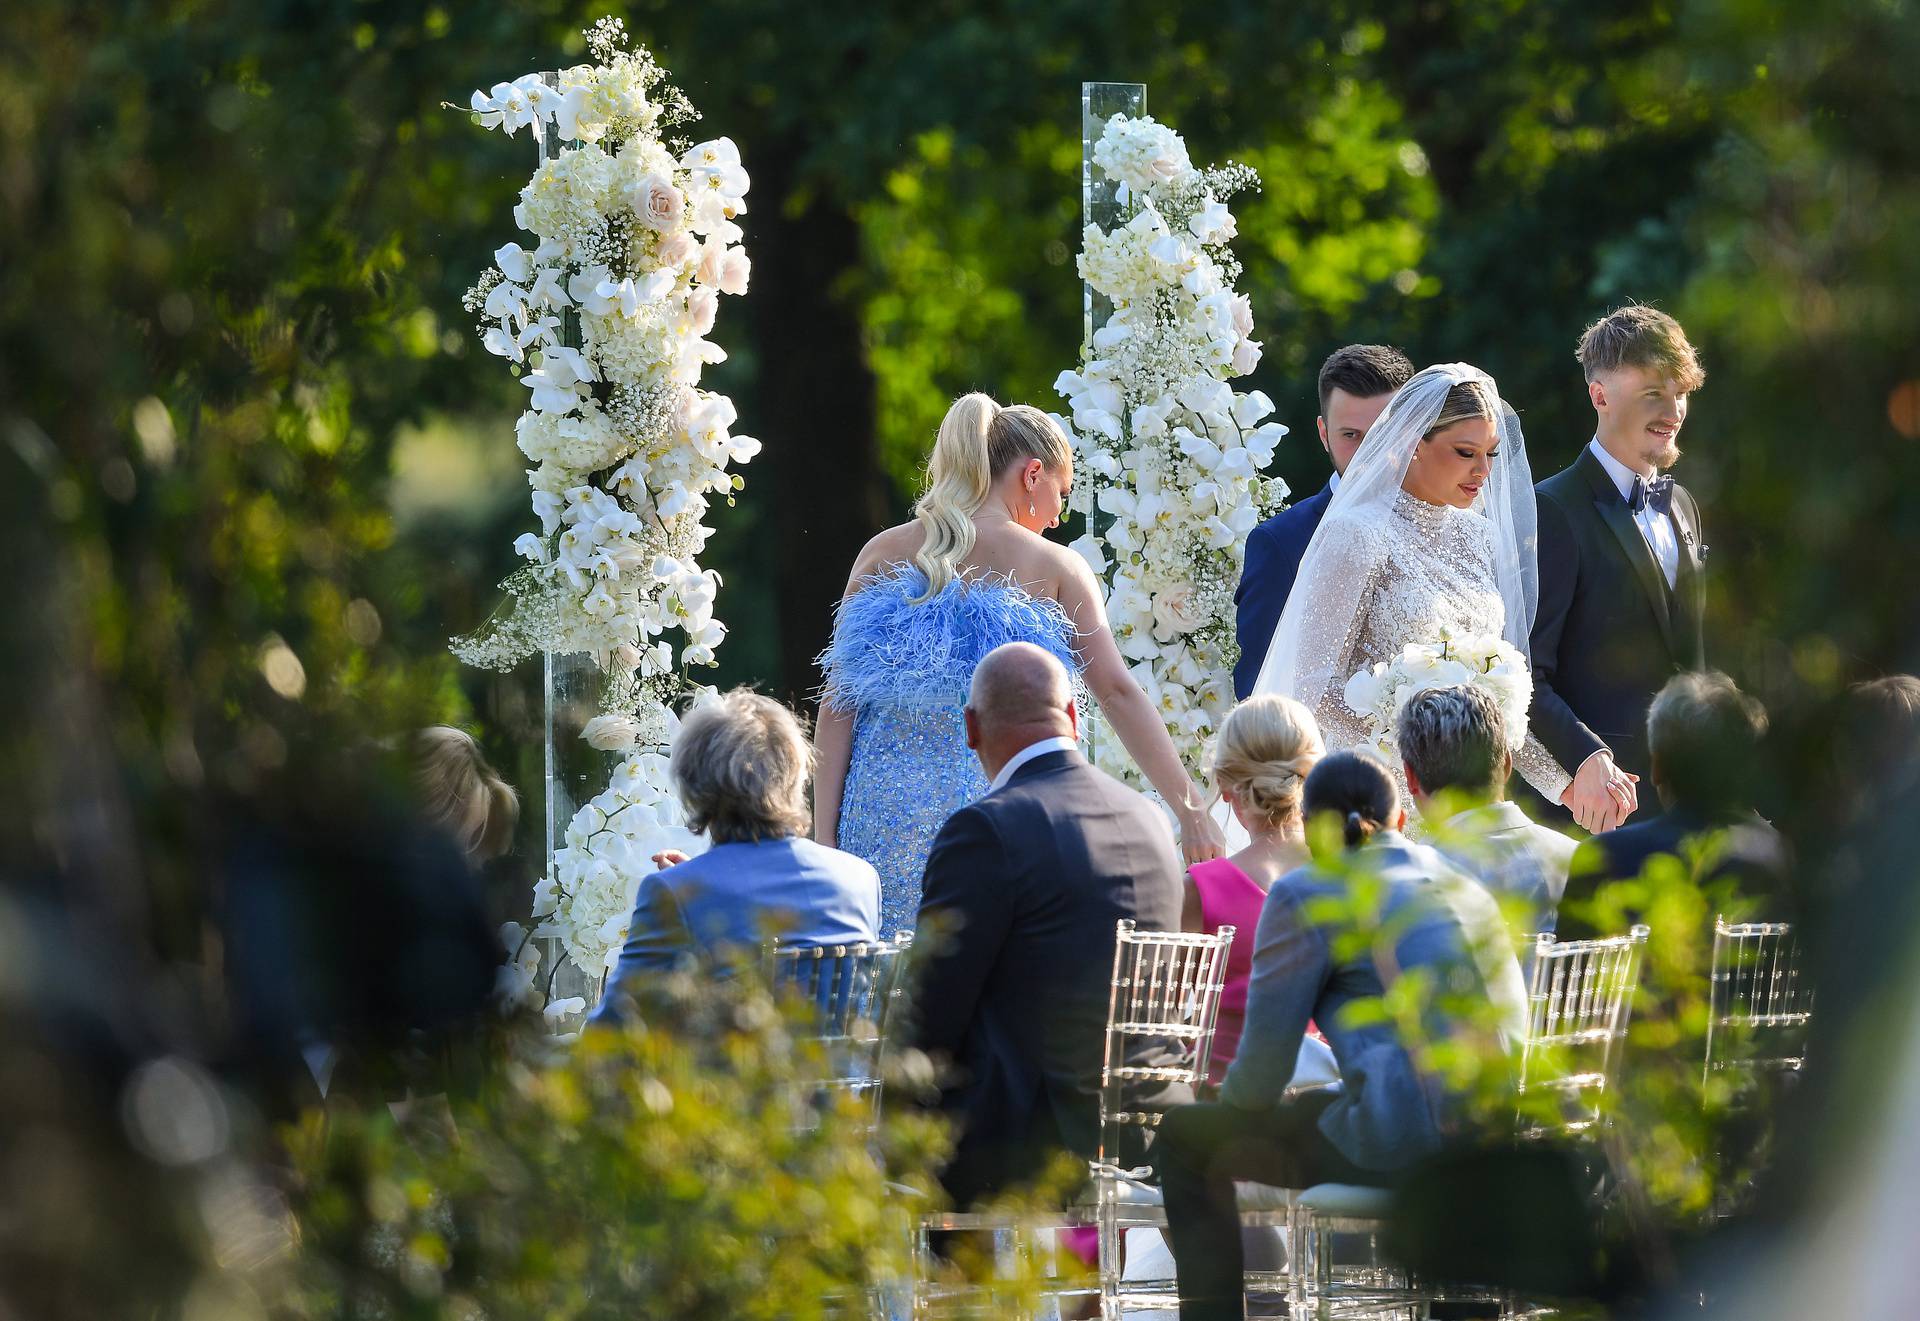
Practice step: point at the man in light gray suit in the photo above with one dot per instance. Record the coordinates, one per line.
(1453, 744)
(1022, 892)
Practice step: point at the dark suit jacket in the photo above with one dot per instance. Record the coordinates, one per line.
(1266, 580)
(1022, 892)
(1748, 852)
(1609, 632)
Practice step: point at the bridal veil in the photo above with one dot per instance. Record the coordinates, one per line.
(1299, 662)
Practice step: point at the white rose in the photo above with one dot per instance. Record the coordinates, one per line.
(734, 270)
(656, 203)
(676, 250)
(1174, 612)
(609, 733)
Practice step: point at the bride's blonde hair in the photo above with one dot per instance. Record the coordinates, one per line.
(1264, 752)
(978, 441)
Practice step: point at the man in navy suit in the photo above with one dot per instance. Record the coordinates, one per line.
(1022, 892)
(1355, 384)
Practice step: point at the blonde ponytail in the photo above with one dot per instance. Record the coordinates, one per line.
(958, 479)
(978, 440)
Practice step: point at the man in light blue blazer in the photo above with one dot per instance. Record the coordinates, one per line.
(1355, 384)
(742, 765)
(1320, 950)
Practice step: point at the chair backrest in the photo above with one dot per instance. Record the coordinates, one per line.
(1162, 1007)
(852, 989)
(1577, 1011)
(1759, 1005)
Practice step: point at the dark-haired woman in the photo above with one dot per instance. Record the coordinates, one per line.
(1414, 917)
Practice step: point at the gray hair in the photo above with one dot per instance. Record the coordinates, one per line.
(1453, 738)
(742, 764)
(1018, 683)
(1703, 737)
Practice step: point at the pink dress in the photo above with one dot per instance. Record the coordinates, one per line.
(1229, 897)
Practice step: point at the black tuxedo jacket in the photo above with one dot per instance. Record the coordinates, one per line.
(1609, 632)
(1021, 895)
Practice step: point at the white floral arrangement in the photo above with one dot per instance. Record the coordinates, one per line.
(1378, 694)
(1175, 455)
(605, 320)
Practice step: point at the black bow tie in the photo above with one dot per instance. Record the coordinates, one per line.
(1656, 494)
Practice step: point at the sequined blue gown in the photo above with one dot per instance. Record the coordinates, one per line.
(902, 669)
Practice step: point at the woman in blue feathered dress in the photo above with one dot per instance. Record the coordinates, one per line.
(925, 601)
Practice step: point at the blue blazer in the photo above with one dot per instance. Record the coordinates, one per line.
(1390, 1112)
(740, 895)
(1266, 580)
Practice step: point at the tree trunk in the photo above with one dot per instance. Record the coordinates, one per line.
(816, 395)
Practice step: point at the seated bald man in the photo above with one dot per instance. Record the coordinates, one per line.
(1017, 915)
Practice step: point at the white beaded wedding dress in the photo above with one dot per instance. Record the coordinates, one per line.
(1386, 568)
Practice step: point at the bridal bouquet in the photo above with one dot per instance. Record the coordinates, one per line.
(605, 318)
(1174, 454)
(1490, 663)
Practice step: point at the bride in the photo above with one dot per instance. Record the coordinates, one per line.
(1432, 528)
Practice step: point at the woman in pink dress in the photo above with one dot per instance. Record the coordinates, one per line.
(1260, 761)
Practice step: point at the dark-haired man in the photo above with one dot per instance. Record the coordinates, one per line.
(1355, 384)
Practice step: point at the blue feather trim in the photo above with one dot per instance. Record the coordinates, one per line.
(886, 648)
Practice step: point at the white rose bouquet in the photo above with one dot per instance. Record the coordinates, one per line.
(1379, 693)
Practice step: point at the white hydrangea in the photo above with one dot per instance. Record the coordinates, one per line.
(1141, 153)
(568, 197)
(583, 442)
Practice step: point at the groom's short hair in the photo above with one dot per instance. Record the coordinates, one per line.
(1640, 336)
(1364, 371)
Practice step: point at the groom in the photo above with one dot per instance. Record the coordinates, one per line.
(1355, 384)
(1621, 596)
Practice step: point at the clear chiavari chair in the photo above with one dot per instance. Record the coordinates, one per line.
(850, 991)
(1577, 1013)
(1161, 1014)
(1162, 1005)
(1759, 1005)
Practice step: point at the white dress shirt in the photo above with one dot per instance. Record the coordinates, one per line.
(1655, 526)
(1059, 743)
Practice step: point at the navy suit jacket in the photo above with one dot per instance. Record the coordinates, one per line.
(1017, 914)
(1266, 580)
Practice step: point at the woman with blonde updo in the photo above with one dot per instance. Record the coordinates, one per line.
(1261, 759)
(925, 601)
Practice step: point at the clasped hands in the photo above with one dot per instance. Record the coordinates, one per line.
(1601, 795)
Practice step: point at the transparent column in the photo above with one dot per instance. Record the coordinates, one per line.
(1100, 102)
(575, 686)
(1099, 205)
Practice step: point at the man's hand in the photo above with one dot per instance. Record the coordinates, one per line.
(1601, 795)
(666, 858)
